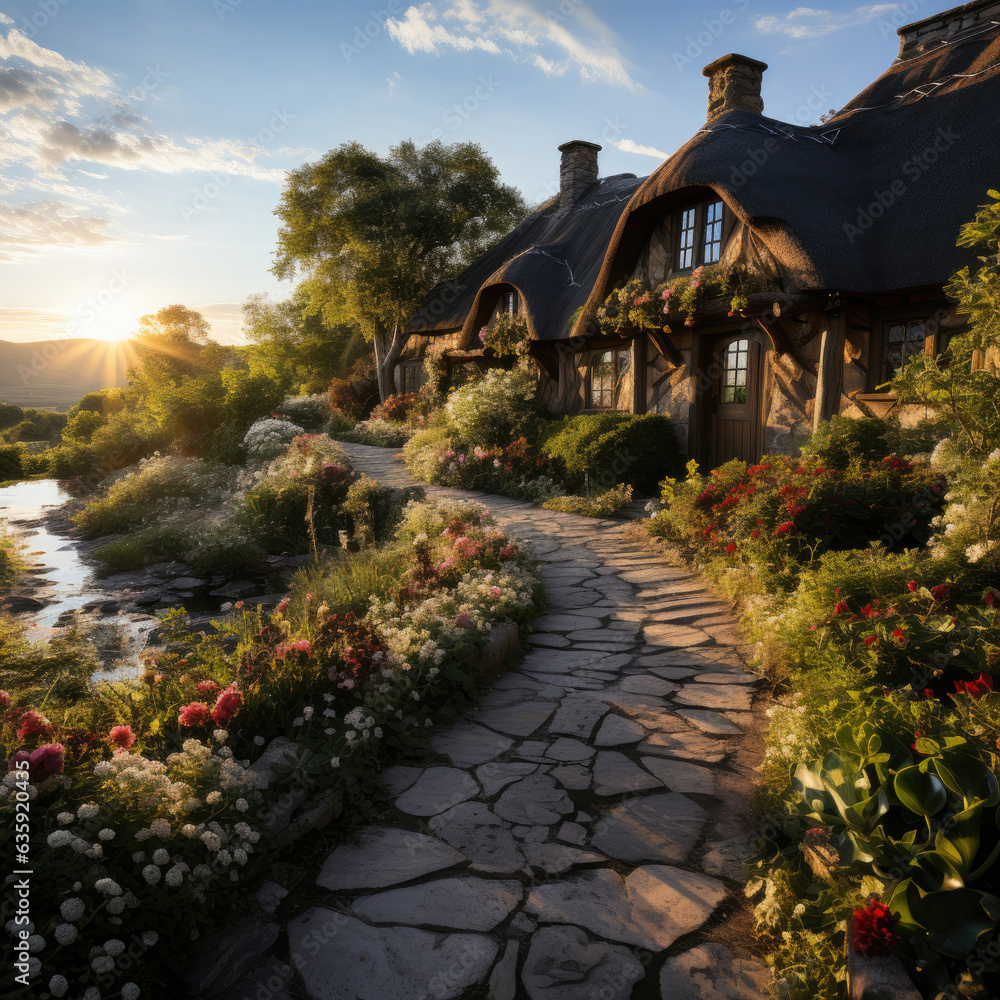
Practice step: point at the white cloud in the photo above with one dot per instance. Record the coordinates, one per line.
(809, 22)
(515, 29)
(27, 230)
(4, 19)
(628, 146)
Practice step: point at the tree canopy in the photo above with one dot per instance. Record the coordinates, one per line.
(176, 323)
(372, 236)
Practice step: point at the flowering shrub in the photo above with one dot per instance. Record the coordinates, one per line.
(378, 433)
(133, 837)
(601, 505)
(269, 437)
(507, 336)
(497, 409)
(396, 409)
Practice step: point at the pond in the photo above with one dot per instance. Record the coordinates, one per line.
(66, 582)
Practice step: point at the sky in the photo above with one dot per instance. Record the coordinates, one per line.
(144, 144)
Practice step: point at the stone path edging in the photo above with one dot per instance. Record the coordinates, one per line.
(570, 837)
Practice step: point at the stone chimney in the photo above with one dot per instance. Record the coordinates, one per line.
(734, 85)
(577, 171)
(917, 38)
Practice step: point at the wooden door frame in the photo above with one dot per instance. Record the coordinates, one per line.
(707, 371)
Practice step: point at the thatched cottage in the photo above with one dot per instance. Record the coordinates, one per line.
(823, 252)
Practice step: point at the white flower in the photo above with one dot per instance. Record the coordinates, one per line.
(240, 855)
(298, 722)
(59, 838)
(58, 985)
(72, 909)
(213, 798)
(88, 810)
(106, 834)
(334, 762)
(189, 830)
(307, 712)
(221, 735)
(65, 933)
(114, 947)
(149, 938)
(242, 805)
(175, 876)
(108, 887)
(211, 840)
(130, 991)
(258, 741)
(102, 964)
(151, 873)
(161, 857)
(116, 905)
(64, 818)
(160, 828)
(92, 994)
(142, 834)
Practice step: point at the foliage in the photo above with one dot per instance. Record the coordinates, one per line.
(35, 425)
(378, 434)
(295, 504)
(82, 426)
(396, 409)
(176, 324)
(441, 207)
(311, 413)
(11, 561)
(355, 395)
(507, 336)
(611, 448)
(73, 459)
(373, 510)
(601, 505)
(497, 409)
(647, 307)
(269, 437)
(963, 383)
(842, 440)
(145, 816)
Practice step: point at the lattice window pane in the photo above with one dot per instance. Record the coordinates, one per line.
(713, 232)
(735, 366)
(686, 248)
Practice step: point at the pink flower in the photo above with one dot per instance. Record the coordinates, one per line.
(31, 722)
(482, 334)
(122, 736)
(495, 591)
(282, 607)
(226, 705)
(303, 646)
(5, 698)
(42, 763)
(195, 714)
(207, 687)
(463, 621)
(309, 597)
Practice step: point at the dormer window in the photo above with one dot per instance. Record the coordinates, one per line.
(508, 304)
(699, 235)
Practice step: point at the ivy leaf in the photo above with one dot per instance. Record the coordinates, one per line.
(923, 794)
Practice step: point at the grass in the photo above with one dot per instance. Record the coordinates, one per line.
(11, 562)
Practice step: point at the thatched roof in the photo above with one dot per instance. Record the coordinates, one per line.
(551, 260)
(807, 200)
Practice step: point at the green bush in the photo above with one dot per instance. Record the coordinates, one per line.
(378, 434)
(81, 426)
(11, 461)
(602, 505)
(73, 459)
(613, 448)
(422, 453)
(127, 437)
(497, 409)
(163, 543)
(373, 510)
(842, 440)
(338, 424)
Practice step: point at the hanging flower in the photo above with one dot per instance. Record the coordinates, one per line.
(874, 936)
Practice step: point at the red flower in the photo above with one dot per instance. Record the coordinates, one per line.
(755, 533)
(841, 608)
(900, 635)
(226, 706)
(941, 592)
(5, 698)
(731, 547)
(31, 723)
(916, 736)
(913, 586)
(869, 612)
(983, 684)
(122, 736)
(873, 933)
(207, 687)
(195, 714)
(42, 763)
(990, 599)
(871, 639)
(787, 528)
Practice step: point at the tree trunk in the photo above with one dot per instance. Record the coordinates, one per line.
(387, 352)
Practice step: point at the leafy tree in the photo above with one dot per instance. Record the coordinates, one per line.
(298, 343)
(175, 323)
(374, 235)
(963, 383)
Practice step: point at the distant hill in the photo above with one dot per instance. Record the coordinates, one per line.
(56, 373)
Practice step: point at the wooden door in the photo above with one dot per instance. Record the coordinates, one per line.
(735, 406)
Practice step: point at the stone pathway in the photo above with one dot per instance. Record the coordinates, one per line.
(568, 838)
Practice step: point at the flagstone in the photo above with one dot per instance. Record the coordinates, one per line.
(503, 979)
(437, 789)
(575, 777)
(482, 837)
(710, 722)
(385, 857)
(467, 744)
(566, 749)
(662, 827)
(553, 859)
(680, 776)
(517, 720)
(615, 731)
(728, 696)
(712, 972)
(727, 678)
(615, 774)
(494, 775)
(358, 962)
(534, 799)
(398, 779)
(689, 745)
(565, 963)
(644, 684)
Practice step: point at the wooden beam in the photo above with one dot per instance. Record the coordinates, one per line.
(777, 334)
(785, 385)
(546, 362)
(830, 375)
(661, 341)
